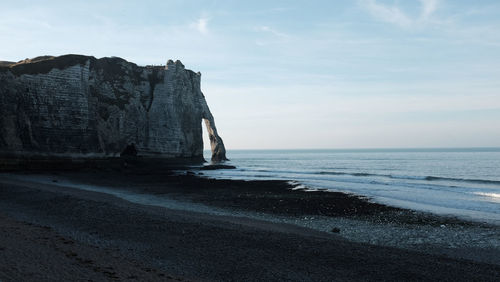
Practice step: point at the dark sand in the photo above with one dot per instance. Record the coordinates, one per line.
(50, 232)
(38, 253)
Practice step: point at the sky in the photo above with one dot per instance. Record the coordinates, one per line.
(299, 74)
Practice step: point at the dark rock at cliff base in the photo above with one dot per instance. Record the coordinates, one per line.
(217, 166)
(130, 150)
(80, 107)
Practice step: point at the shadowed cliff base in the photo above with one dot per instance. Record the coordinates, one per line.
(75, 106)
(138, 164)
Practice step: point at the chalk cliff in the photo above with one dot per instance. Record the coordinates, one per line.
(77, 106)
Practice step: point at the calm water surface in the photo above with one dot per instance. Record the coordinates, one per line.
(460, 182)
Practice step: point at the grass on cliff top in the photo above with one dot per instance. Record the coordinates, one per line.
(44, 64)
(6, 63)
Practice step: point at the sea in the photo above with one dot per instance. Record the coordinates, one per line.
(459, 182)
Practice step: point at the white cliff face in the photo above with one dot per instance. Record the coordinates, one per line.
(78, 106)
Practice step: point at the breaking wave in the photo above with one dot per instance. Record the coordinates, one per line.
(427, 178)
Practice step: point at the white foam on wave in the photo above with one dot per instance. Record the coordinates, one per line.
(492, 197)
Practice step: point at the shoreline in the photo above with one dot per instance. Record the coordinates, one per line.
(352, 217)
(258, 207)
(442, 182)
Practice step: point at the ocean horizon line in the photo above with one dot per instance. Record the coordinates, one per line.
(375, 149)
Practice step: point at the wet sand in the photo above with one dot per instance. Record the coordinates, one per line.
(215, 230)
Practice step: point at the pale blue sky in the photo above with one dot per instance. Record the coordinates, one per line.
(299, 74)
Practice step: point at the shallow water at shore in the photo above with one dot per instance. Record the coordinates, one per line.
(457, 182)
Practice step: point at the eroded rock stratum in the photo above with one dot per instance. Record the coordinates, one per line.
(82, 107)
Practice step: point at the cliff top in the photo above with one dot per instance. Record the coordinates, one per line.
(43, 64)
(6, 63)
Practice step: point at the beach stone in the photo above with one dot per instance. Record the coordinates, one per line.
(78, 106)
(335, 230)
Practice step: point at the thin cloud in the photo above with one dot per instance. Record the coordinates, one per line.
(273, 31)
(394, 15)
(390, 14)
(201, 25)
(428, 8)
(273, 36)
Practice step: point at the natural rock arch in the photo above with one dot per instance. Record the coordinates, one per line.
(216, 143)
